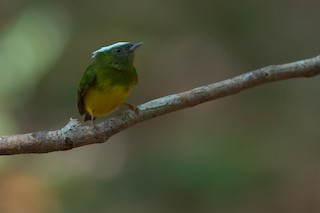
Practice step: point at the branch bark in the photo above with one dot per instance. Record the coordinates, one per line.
(75, 134)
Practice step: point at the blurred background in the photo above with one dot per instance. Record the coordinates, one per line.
(257, 151)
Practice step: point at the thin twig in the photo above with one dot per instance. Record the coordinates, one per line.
(75, 134)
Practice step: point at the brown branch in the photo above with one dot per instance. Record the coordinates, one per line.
(75, 134)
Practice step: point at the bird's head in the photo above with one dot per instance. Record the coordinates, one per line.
(118, 56)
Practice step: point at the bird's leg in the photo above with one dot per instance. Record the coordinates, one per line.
(133, 108)
(129, 105)
(93, 123)
(92, 120)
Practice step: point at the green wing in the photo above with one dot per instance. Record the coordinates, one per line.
(87, 81)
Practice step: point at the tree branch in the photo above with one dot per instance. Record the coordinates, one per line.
(75, 134)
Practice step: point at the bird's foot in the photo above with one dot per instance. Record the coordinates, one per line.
(133, 108)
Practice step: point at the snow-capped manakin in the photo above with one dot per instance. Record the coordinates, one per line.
(108, 80)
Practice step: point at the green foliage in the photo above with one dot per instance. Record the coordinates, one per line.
(252, 152)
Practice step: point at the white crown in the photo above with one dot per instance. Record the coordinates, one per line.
(107, 48)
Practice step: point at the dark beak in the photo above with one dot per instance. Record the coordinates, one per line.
(134, 46)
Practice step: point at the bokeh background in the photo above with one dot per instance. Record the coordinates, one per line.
(257, 151)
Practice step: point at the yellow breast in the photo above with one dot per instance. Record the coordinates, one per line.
(102, 102)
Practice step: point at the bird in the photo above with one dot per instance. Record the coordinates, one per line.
(108, 80)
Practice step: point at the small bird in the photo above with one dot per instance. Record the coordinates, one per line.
(108, 80)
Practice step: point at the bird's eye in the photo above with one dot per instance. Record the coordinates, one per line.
(118, 50)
